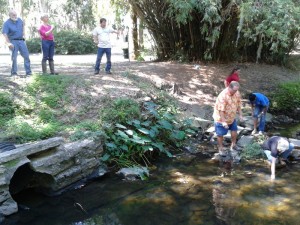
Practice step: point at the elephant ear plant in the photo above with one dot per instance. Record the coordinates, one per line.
(137, 141)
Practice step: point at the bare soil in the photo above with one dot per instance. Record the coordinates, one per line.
(191, 85)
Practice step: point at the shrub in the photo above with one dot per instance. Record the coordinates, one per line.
(120, 111)
(74, 42)
(253, 151)
(135, 141)
(34, 45)
(287, 97)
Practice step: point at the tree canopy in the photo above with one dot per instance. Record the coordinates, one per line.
(222, 29)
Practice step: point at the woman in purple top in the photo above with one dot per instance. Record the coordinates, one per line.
(46, 32)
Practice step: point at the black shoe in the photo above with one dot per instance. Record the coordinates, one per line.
(28, 74)
(55, 73)
(14, 74)
(96, 72)
(108, 72)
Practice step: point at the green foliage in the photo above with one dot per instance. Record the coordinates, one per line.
(120, 110)
(49, 91)
(287, 97)
(74, 42)
(7, 107)
(134, 142)
(80, 11)
(253, 151)
(23, 131)
(274, 23)
(34, 45)
(33, 115)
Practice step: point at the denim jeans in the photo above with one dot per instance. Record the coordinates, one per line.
(20, 46)
(100, 53)
(48, 50)
(262, 119)
(283, 155)
(221, 131)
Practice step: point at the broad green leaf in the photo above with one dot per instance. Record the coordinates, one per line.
(137, 122)
(129, 132)
(139, 141)
(169, 116)
(159, 145)
(152, 133)
(169, 154)
(179, 135)
(120, 126)
(144, 130)
(146, 123)
(105, 157)
(165, 124)
(111, 145)
(146, 139)
(124, 147)
(122, 134)
(147, 148)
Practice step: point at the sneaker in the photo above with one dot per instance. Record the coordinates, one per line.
(14, 74)
(254, 132)
(28, 74)
(108, 72)
(96, 72)
(260, 133)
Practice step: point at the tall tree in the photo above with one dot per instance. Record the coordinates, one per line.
(81, 11)
(221, 29)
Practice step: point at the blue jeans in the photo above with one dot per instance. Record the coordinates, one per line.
(262, 121)
(100, 53)
(20, 46)
(221, 131)
(48, 50)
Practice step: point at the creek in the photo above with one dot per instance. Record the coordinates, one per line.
(187, 189)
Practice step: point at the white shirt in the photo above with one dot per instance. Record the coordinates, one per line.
(103, 35)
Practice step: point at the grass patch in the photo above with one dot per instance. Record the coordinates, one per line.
(119, 111)
(287, 97)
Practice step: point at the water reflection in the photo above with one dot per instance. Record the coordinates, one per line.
(186, 190)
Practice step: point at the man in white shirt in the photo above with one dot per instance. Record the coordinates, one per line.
(101, 37)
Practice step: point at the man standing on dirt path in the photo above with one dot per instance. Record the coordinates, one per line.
(228, 103)
(101, 37)
(259, 104)
(13, 32)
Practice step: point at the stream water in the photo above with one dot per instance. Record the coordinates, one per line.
(183, 190)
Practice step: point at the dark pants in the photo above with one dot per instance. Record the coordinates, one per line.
(48, 50)
(100, 53)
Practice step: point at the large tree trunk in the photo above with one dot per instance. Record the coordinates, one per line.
(141, 35)
(135, 35)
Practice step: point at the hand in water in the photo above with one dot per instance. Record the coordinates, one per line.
(272, 177)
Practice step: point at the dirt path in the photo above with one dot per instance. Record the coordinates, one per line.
(197, 86)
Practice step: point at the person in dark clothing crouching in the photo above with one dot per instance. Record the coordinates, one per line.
(277, 147)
